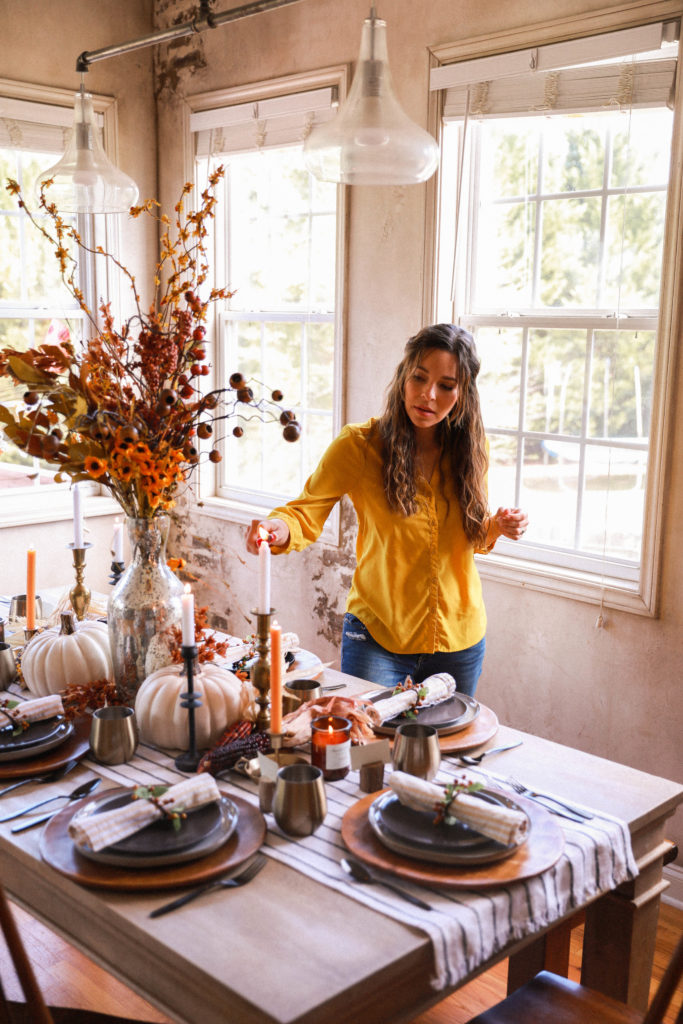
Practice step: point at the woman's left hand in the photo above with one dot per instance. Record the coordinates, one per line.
(512, 522)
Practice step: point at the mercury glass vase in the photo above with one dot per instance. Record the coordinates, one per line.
(144, 605)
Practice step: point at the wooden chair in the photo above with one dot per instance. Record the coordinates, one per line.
(35, 1010)
(549, 999)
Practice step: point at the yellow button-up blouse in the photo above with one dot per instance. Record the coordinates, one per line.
(416, 586)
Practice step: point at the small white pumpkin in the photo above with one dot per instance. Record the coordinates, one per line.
(74, 653)
(163, 721)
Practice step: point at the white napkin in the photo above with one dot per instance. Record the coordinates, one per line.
(503, 824)
(35, 710)
(435, 690)
(99, 830)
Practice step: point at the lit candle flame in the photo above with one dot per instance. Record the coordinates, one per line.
(263, 535)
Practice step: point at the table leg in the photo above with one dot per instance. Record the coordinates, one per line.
(549, 952)
(621, 933)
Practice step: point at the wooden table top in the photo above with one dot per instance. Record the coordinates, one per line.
(286, 949)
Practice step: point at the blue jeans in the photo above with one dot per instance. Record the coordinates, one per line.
(363, 657)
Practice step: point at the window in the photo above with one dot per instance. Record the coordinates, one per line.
(35, 306)
(552, 219)
(277, 247)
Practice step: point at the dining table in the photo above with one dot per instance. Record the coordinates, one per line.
(303, 943)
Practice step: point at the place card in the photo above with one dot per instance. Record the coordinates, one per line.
(368, 753)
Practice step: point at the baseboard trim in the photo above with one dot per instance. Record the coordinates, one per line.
(674, 894)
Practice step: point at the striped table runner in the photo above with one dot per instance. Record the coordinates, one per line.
(466, 927)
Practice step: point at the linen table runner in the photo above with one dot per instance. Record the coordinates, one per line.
(466, 927)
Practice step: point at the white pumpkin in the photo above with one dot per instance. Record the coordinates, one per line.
(163, 721)
(73, 653)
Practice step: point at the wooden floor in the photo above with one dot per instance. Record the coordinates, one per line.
(67, 978)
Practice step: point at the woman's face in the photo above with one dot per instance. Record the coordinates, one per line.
(431, 389)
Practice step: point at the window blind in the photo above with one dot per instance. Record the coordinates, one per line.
(36, 127)
(278, 121)
(559, 77)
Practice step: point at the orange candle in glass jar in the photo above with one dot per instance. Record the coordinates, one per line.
(31, 588)
(331, 746)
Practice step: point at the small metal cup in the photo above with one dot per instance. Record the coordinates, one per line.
(299, 801)
(298, 691)
(416, 750)
(8, 666)
(17, 608)
(113, 734)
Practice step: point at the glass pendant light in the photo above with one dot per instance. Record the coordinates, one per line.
(85, 180)
(371, 141)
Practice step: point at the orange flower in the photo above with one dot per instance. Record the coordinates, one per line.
(176, 563)
(95, 467)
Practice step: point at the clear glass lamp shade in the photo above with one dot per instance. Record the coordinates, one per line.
(371, 141)
(85, 180)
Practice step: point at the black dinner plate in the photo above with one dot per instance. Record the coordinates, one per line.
(159, 844)
(39, 737)
(452, 715)
(413, 833)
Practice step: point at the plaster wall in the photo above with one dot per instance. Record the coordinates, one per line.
(615, 691)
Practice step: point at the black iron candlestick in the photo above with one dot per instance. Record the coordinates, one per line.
(116, 572)
(188, 761)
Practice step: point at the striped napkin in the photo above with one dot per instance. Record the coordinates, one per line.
(35, 710)
(494, 821)
(95, 831)
(434, 689)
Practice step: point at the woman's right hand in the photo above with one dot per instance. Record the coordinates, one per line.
(277, 530)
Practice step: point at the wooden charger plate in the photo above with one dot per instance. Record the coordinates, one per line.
(76, 746)
(59, 851)
(482, 729)
(541, 850)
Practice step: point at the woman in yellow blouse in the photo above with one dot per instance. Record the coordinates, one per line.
(417, 480)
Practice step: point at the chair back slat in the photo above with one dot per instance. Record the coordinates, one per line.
(666, 989)
(22, 965)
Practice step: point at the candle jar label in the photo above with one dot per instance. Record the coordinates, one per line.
(338, 755)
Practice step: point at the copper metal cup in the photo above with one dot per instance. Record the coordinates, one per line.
(113, 734)
(8, 666)
(298, 691)
(299, 801)
(416, 750)
(17, 608)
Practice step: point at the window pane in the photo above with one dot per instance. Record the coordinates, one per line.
(500, 352)
(641, 149)
(635, 234)
(504, 255)
(621, 384)
(548, 491)
(509, 158)
(502, 470)
(320, 359)
(570, 260)
(613, 502)
(573, 157)
(556, 368)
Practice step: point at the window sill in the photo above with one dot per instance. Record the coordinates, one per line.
(23, 510)
(564, 582)
(243, 513)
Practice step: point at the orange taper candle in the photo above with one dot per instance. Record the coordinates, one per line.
(276, 677)
(31, 588)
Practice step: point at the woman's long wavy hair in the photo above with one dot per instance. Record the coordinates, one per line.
(461, 433)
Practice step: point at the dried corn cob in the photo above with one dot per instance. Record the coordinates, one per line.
(235, 732)
(226, 756)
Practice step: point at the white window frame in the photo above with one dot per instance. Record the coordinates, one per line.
(507, 563)
(256, 505)
(43, 104)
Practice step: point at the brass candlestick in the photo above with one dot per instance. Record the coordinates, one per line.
(79, 595)
(260, 673)
(276, 742)
(191, 700)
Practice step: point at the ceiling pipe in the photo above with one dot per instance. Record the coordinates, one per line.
(205, 20)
